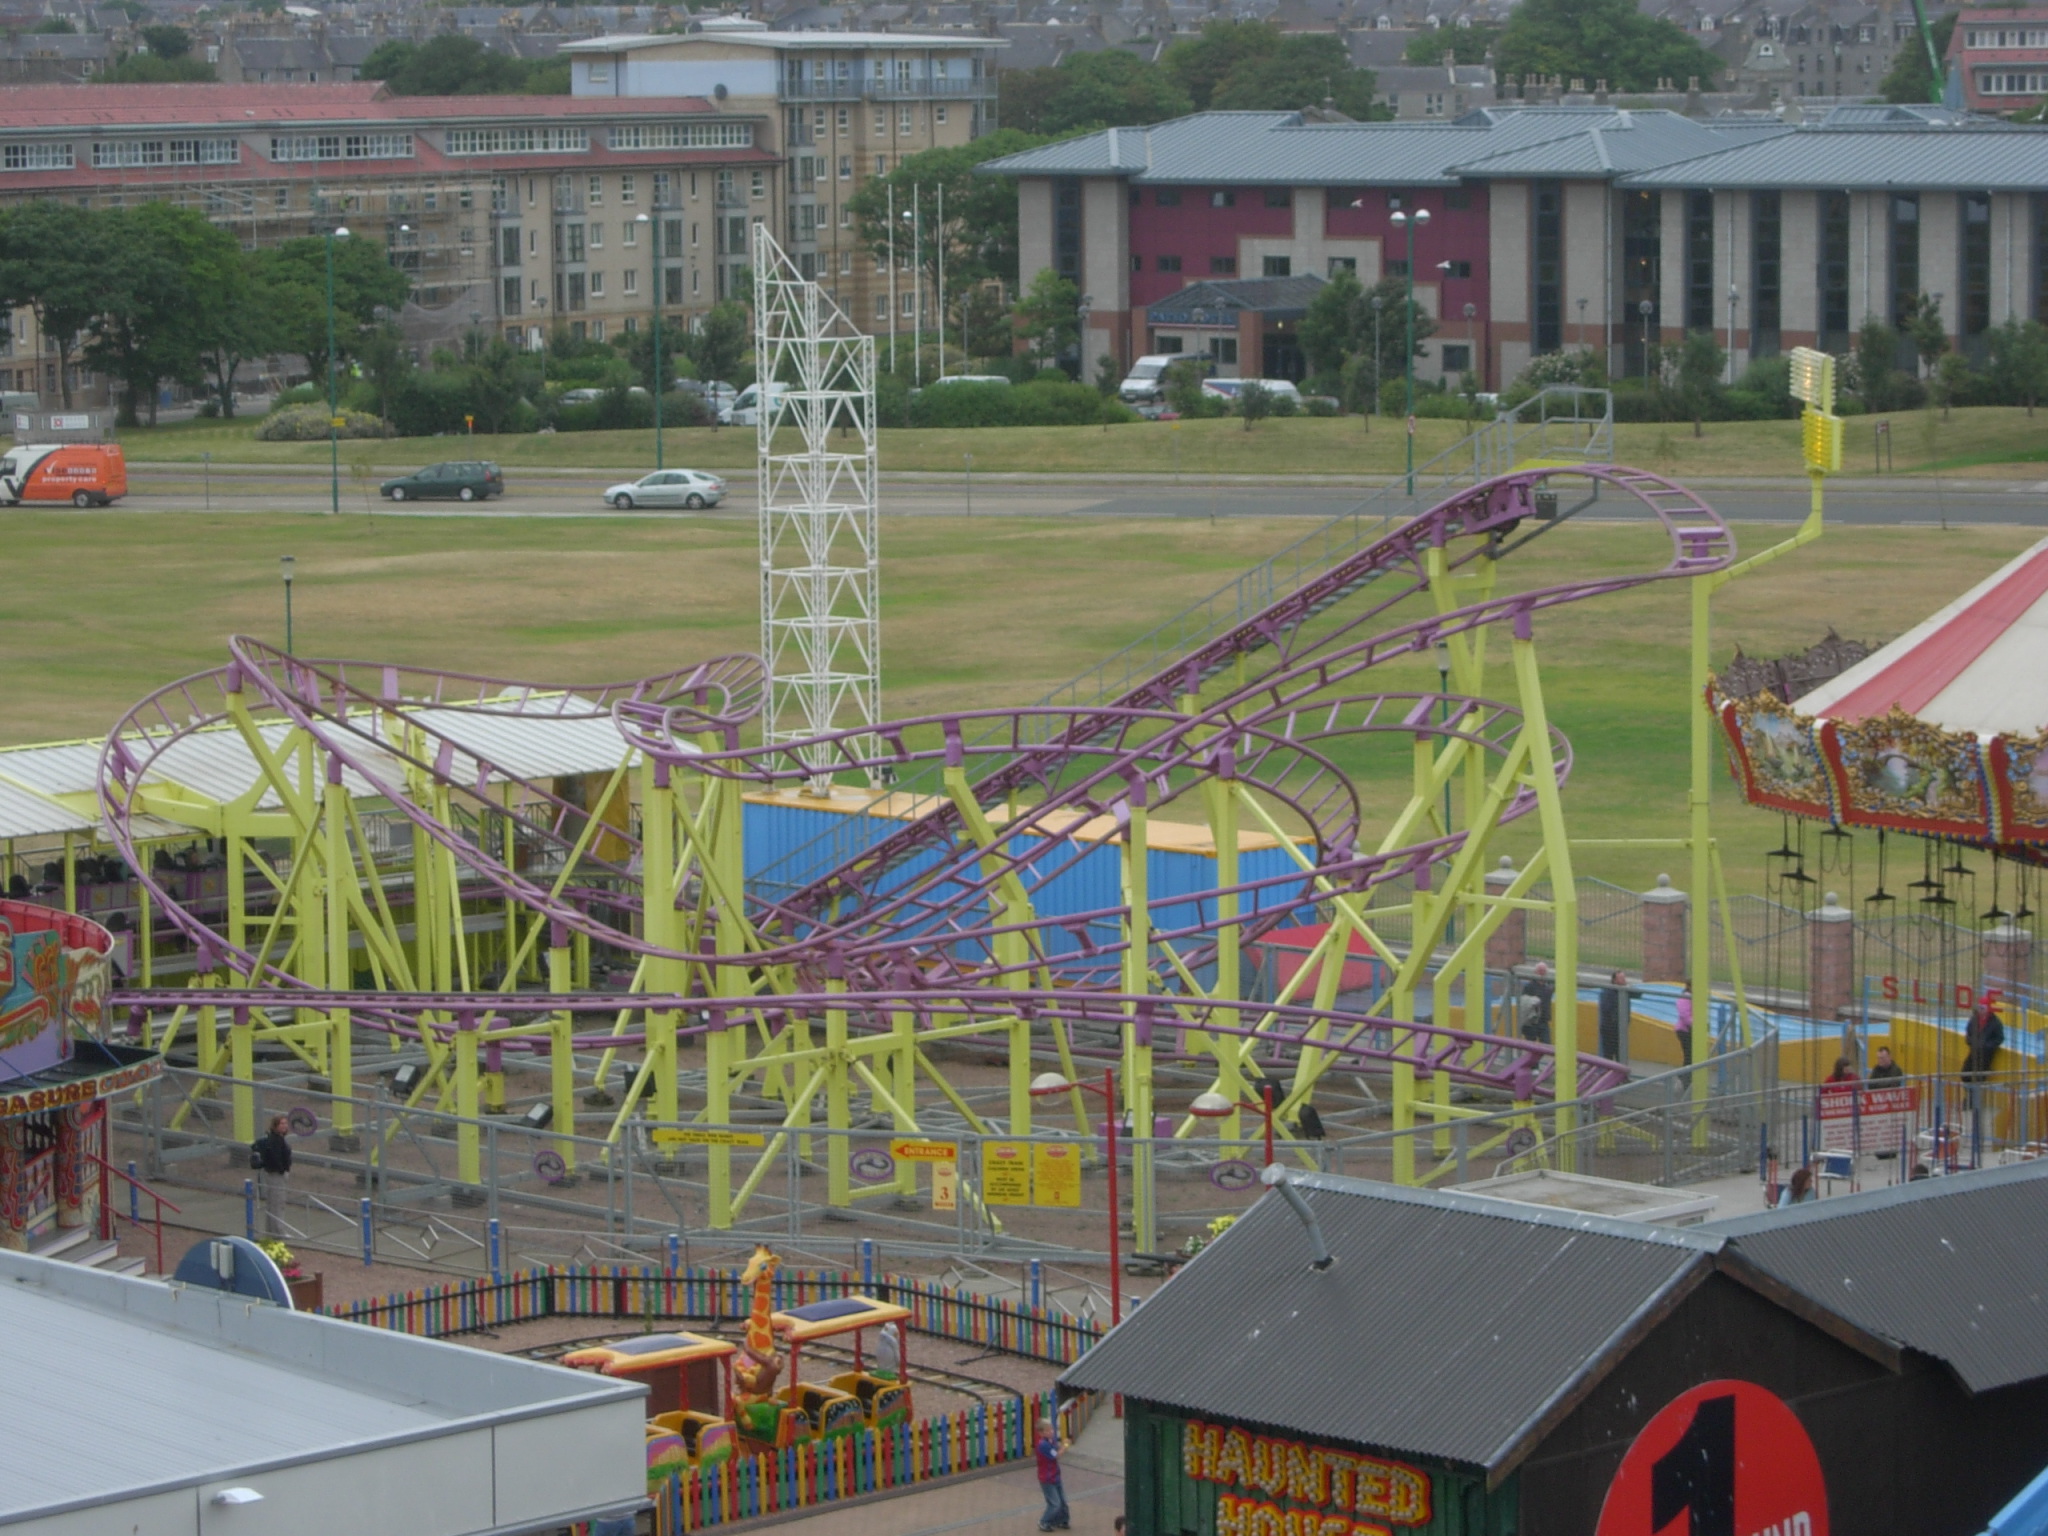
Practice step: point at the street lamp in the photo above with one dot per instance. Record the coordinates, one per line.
(916, 290)
(1081, 340)
(540, 307)
(1050, 1085)
(1379, 302)
(1472, 344)
(1734, 298)
(1645, 308)
(1410, 223)
(340, 232)
(1214, 1106)
(655, 226)
(284, 569)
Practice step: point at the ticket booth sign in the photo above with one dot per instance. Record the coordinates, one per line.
(1725, 1459)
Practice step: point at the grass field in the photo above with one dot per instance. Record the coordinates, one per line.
(1979, 440)
(100, 611)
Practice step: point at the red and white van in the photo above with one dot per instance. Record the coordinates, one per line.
(84, 474)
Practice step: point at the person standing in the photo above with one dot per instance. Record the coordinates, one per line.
(1799, 1191)
(1983, 1038)
(271, 1155)
(1048, 1452)
(1538, 992)
(1614, 1017)
(1684, 1028)
(1882, 1068)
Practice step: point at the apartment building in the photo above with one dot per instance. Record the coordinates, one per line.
(837, 109)
(1551, 227)
(514, 213)
(2001, 58)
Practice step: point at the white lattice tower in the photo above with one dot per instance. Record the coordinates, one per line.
(820, 560)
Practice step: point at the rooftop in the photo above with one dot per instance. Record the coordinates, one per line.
(765, 38)
(197, 1387)
(250, 106)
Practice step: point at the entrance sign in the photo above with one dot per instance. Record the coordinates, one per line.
(1725, 1459)
(917, 1150)
(1874, 1117)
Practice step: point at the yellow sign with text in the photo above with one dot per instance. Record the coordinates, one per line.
(1056, 1173)
(1006, 1172)
(915, 1150)
(945, 1186)
(684, 1136)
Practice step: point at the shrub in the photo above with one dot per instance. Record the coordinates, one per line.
(301, 394)
(965, 405)
(308, 424)
(1319, 405)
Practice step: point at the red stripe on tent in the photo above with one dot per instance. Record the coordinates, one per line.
(1918, 677)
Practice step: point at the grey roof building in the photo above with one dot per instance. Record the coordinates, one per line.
(1888, 1352)
(151, 1402)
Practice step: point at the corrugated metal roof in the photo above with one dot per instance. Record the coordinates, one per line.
(1461, 1320)
(194, 1386)
(531, 746)
(1247, 148)
(25, 814)
(1956, 1268)
(1971, 157)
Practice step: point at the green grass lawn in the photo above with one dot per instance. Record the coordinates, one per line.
(1972, 440)
(101, 610)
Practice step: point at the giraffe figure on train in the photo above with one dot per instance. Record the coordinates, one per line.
(754, 1406)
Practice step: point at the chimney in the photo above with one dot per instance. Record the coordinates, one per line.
(1692, 96)
(1600, 93)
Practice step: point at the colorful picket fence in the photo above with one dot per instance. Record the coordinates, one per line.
(635, 1291)
(864, 1462)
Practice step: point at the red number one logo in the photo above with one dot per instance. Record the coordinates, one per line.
(1727, 1458)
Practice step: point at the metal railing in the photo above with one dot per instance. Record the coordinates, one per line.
(889, 90)
(1559, 423)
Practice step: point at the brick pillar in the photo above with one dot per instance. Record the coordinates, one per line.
(1830, 960)
(1508, 945)
(1664, 946)
(2008, 957)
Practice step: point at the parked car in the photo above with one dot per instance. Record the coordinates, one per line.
(746, 410)
(717, 395)
(691, 488)
(1147, 379)
(1230, 389)
(458, 480)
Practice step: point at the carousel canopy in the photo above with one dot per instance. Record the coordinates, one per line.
(1979, 665)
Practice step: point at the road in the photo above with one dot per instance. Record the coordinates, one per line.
(572, 493)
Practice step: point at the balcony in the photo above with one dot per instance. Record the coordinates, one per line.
(890, 90)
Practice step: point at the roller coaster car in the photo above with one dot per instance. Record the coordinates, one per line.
(680, 1370)
(883, 1402)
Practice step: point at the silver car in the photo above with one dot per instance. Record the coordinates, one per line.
(690, 488)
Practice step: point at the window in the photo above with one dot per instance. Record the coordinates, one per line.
(1168, 344)
(1137, 263)
(1223, 266)
(513, 141)
(846, 167)
(1699, 261)
(666, 136)
(597, 191)
(672, 285)
(845, 121)
(632, 326)
(906, 119)
(1457, 357)
(1222, 199)
(845, 216)
(628, 189)
(1223, 351)
(600, 74)
(533, 242)
(509, 295)
(1457, 269)
(596, 237)
(907, 302)
(1432, 103)
(2012, 82)
(629, 232)
(1459, 198)
(881, 122)
(1343, 264)
(846, 263)
(1169, 263)
(1766, 278)
(1975, 313)
(574, 236)
(314, 146)
(629, 281)
(1395, 266)
(575, 290)
(1166, 197)
(663, 189)
(882, 308)
(1905, 256)
(1278, 266)
(509, 242)
(1834, 268)
(1547, 264)
(881, 266)
(597, 330)
(1279, 197)
(939, 114)
(597, 285)
(881, 165)
(1066, 227)
(760, 184)
(38, 157)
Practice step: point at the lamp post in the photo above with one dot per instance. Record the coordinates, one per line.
(1734, 298)
(340, 232)
(1214, 1106)
(1582, 322)
(1081, 338)
(654, 226)
(1645, 308)
(284, 569)
(1410, 223)
(916, 291)
(1050, 1085)
(890, 226)
(540, 307)
(1472, 343)
(1379, 303)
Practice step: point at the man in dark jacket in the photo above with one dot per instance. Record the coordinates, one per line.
(1614, 1018)
(272, 1155)
(1983, 1037)
(1883, 1069)
(1537, 994)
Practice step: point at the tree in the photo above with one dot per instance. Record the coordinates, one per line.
(246, 325)
(1929, 336)
(980, 233)
(719, 344)
(1254, 66)
(1329, 327)
(52, 26)
(148, 69)
(1879, 384)
(1254, 403)
(168, 283)
(1699, 364)
(1466, 45)
(454, 65)
(2019, 362)
(1599, 40)
(1338, 334)
(167, 42)
(985, 316)
(1182, 386)
(1108, 89)
(1911, 78)
(1048, 316)
(364, 282)
(50, 255)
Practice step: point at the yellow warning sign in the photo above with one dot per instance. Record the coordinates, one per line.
(919, 1151)
(1056, 1173)
(684, 1136)
(1006, 1172)
(945, 1186)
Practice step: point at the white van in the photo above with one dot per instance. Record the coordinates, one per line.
(746, 410)
(1230, 389)
(1147, 379)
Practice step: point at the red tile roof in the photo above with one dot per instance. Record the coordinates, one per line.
(142, 106)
